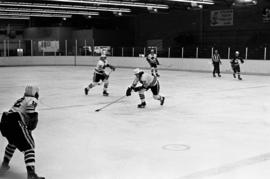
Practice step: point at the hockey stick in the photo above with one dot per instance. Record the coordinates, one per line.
(99, 109)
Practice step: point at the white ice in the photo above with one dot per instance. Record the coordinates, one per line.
(208, 128)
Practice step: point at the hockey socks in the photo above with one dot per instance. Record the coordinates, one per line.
(9, 151)
(29, 159)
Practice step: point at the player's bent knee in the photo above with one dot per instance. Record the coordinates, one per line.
(157, 97)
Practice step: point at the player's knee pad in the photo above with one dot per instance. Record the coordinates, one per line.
(105, 81)
(157, 97)
(92, 84)
(106, 84)
(141, 91)
(106, 77)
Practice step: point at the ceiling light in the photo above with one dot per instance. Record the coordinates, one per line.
(244, 2)
(35, 15)
(210, 2)
(47, 11)
(115, 3)
(14, 17)
(67, 7)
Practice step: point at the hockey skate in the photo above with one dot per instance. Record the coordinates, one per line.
(34, 176)
(239, 78)
(4, 168)
(142, 105)
(219, 75)
(31, 174)
(105, 93)
(234, 75)
(162, 100)
(157, 75)
(214, 75)
(86, 91)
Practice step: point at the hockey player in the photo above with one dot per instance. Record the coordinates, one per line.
(147, 82)
(153, 62)
(100, 75)
(235, 63)
(17, 126)
(216, 62)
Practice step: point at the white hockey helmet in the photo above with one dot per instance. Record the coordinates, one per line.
(137, 71)
(237, 53)
(103, 57)
(32, 91)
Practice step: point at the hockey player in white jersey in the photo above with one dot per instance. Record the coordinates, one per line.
(16, 126)
(100, 75)
(147, 82)
(153, 62)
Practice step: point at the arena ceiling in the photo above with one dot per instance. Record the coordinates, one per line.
(25, 9)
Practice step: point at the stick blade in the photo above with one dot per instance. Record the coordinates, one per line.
(97, 110)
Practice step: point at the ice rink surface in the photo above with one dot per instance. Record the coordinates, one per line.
(208, 128)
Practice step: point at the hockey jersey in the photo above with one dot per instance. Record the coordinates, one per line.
(152, 58)
(146, 80)
(101, 65)
(25, 106)
(236, 60)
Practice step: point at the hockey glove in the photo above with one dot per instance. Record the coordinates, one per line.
(112, 68)
(128, 92)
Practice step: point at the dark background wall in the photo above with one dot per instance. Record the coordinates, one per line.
(187, 27)
(176, 28)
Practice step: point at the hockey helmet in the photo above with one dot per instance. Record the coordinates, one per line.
(32, 91)
(103, 57)
(137, 71)
(237, 53)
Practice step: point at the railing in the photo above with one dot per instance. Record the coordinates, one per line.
(86, 48)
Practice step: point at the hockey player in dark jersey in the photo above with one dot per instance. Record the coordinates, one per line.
(100, 75)
(153, 62)
(235, 63)
(147, 82)
(17, 125)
